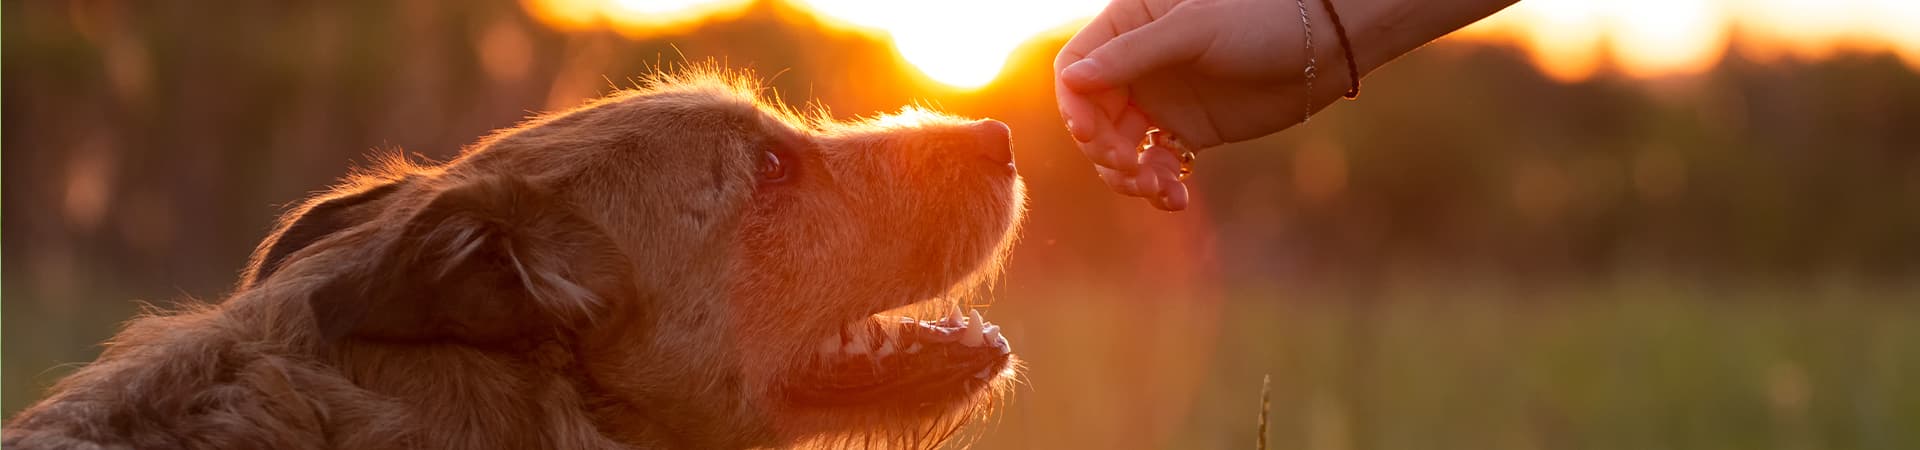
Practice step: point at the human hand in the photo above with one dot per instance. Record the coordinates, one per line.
(1217, 71)
(1208, 71)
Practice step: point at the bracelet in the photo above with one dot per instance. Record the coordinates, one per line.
(1353, 68)
(1307, 30)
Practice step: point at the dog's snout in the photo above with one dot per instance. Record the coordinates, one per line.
(994, 141)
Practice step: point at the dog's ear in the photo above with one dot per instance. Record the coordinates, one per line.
(486, 260)
(313, 221)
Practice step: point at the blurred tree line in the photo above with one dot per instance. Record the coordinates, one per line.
(1464, 156)
(152, 143)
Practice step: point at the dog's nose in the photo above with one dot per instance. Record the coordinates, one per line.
(995, 141)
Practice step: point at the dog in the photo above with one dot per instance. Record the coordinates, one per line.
(684, 264)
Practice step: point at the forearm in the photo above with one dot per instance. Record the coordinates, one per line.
(1381, 30)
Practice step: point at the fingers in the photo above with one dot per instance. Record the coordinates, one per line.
(1091, 36)
(1130, 55)
(1084, 119)
(1157, 180)
(1119, 141)
(1122, 183)
(1102, 120)
(1160, 189)
(1163, 167)
(1081, 114)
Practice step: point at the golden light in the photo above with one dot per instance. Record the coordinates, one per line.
(1897, 19)
(963, 44)
(1661, 37)
(1570, 39)
(966, 43)
(634, 18)
(1564, 35)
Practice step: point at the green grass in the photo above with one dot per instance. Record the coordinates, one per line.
(1484, 367)
(1624, 367)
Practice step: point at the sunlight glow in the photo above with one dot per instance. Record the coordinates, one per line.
(638, 19)
(965, 44)
(631, 16)
(1565, 39)
(1571, 40)
(960, 44)
(1658, 37)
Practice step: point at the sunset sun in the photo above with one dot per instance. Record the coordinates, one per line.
(962, 44)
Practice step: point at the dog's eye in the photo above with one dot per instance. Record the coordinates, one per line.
(773, 167)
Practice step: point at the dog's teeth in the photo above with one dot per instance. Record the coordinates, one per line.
(915, 348)
(997, 341)
(974, 336)
(953, 315)
(887, 345)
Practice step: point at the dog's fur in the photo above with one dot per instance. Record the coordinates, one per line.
(626, 274)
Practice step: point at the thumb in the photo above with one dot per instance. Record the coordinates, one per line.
(1160, 43)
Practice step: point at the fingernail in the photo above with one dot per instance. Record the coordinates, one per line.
(1081, 74)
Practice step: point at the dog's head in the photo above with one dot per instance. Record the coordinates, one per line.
(726, 271)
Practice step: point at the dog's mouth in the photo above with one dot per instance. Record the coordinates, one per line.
(905, 362)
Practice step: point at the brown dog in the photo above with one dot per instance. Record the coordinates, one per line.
(683, 265)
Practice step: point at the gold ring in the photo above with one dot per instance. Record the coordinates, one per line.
(1157, 138)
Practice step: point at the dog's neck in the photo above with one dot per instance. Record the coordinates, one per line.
(524, 396)
(461, 396)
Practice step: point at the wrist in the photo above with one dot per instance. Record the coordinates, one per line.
(1375, 29)
(1381, 30)
(1336, 62)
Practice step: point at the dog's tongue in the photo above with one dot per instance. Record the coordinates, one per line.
(924, 360)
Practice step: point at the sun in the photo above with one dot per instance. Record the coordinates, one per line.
(961, 44)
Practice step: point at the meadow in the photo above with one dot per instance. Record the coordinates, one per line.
(1629, 365)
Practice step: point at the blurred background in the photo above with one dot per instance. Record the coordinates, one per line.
(1577, 224)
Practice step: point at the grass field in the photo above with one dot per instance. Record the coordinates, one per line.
(1635, 366)
(1621, 367)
